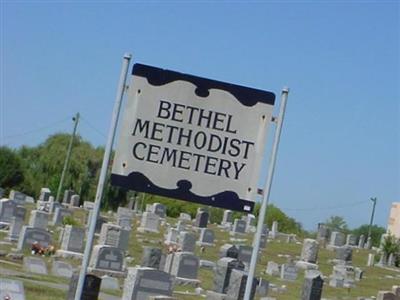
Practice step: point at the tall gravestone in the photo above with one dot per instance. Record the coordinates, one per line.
(75, 200)
(312, 286)
(187, 241)
(227, 217)
(201, 219)
(309, 252)
(223, 270)
(91, 287)
(150, 222)
(67, 196)
(45, 193)
(159, 209)
(142, 283)
(245, 253)
(237, 285)
(206, 237)
(337, 239)
(185, 265)
(15, 229)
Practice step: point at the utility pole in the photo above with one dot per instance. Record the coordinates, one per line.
(372, 216)
(67, 158)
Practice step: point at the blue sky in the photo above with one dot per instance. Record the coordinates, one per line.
(340, 141)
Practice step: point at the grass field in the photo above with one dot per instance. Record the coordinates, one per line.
(374, 279)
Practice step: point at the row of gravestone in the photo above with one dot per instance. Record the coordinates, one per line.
(338, 239)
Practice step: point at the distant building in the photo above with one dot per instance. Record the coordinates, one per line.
(394, 220)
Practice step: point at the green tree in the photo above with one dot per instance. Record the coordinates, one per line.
(11, 171)
(376, 233)
(337, 223)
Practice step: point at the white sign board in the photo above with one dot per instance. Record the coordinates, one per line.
(192, 138)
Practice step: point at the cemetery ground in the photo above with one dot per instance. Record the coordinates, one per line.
(53, 287)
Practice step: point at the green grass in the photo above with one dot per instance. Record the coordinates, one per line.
(374, 277)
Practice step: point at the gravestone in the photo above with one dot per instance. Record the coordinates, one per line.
(185, 265)
(172, 236)
(223, 270)
(228, 250)
(91, 287)
(250, 222)
(73, 239)
(263, 241)
(371, 260)
(53, 206)
(88, 205)
(274, 229)
(262, 287)
(15, 229)
(141, 283)
(34, 265)
(20, 212)
(312, 286)
(201, 219)
(107, 258)
(114, 235)
(309, 253)
(124, 222)
(150, 222)
(67, 196)
(184, 217)
(239, 226)
(237, 285)
(75, 199)
(386, 295)
(227, 217)
(273, 269)
(337, 239)
(323, 233)
(125, 212)
(361, 241)
(187, 241)
(39, 219)
(59, 215)
(13, 289)
(289, 272)
(30, 235)
(45, 193)
(351, 240)
(7, 210)
(159, 209)
(368, 244)
(151, 257)
(245, 253)
(344, 253)
(62, 269)
(206, 237)
(342, 276)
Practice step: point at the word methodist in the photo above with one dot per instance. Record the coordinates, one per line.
(192, 138)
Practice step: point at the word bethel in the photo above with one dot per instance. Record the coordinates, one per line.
(192, 138)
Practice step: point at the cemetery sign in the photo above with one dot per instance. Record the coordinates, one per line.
(192, 138)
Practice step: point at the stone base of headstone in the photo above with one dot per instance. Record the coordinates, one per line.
(68, 254)
(187, 282)
(207, 264)
(109, 283)
(198, 243)
(211, 295)
(100, 273)
(306, 265)
(331, 247)
(144, 230)
(336, 282)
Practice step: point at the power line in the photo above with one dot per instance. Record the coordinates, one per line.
(92, 127)
(51, 125)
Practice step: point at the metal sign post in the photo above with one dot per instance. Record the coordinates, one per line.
(103, 173)
(267, 189)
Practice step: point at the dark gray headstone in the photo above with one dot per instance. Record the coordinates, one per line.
(7, 210)
(73, 239)
(239, 226)
(67, 196)
(201, 219)
(159, 209)
(187, 241)
(91, 287)
(229, 250)
(185, 265)
(223, 272)
(344, 253)
(237, 285)
(107, 258)
(312, 286)
(245, 253)
(151, 257)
